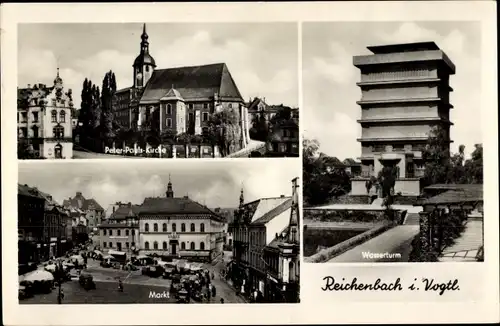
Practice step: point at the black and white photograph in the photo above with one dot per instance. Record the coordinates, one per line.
(393, 166)
(146, 232)
(164, 90)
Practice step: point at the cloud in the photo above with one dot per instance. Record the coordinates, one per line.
(258, 69)
(214, 183)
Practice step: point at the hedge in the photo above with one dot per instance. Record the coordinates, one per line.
(329, 253)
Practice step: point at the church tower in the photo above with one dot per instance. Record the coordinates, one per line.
(170, 192)
(144, 64)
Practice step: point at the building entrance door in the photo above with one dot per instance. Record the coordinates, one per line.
(174, 249)
(119, 246)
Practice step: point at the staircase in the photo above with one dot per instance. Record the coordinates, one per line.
(378, 202)
(412, 219)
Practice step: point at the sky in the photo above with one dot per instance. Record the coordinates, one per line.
(261, 57)
(329, 86)
(212, 183)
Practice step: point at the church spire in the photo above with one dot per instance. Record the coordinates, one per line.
(144, 40)
(170, 192)
(242, 197)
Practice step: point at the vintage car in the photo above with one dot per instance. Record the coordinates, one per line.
(182, 296)
(168, 272)
(25, 291)
(87, 281)
(152, 270)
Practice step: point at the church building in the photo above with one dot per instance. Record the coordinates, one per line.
(180, 99)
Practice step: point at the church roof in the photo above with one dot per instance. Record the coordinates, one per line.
(193, 83)
(144, 58)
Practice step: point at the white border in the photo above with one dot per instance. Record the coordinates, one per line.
(311, 309)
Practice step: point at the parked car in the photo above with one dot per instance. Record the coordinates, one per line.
(87, 281)
(152, 270)
(168, 272)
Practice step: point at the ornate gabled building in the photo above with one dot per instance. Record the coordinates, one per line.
(179, 99)
(120, 232)
(44, 120)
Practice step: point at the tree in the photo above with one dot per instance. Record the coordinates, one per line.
(436, 156)
(321, 184)
(260, 128)
(107, 93)
(387, 180)
(473, 168)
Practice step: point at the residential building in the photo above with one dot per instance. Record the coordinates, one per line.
(178, 227)
(405, 92)
(55, 223)
(282, 258)
(177, 99)
(30, 221)
(257, 107)
(256, 225)
(94, 213)
(284, 139)
(120, 232)
(44, 119)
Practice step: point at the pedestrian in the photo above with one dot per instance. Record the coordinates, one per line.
(214, 292)
(221, 300)
(213, 275)
(120, 285)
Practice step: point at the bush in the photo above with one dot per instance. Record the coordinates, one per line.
(417, 255)
(329, 253)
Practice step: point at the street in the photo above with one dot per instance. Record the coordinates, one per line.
(137, 288)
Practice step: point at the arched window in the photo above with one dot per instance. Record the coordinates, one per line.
(53, 114)
(193, 227)
(202, 227)
(58, 132)
(164, 227)
(164, 245)
(183, 227)
(202, 245)
(146, 245)
(155, 227)
(174, 227)
(183, 245)
(192, 246)
(133, 232)
(62, 116)
(155, 245)
(127, 232)
(169, 109)
(146, 227)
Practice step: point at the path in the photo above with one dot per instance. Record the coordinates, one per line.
(467, 245)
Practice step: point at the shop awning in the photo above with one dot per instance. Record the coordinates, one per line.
(116, 253)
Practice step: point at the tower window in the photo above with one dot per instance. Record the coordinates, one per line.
(169, 109)
(169, 123)
(147, 68)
